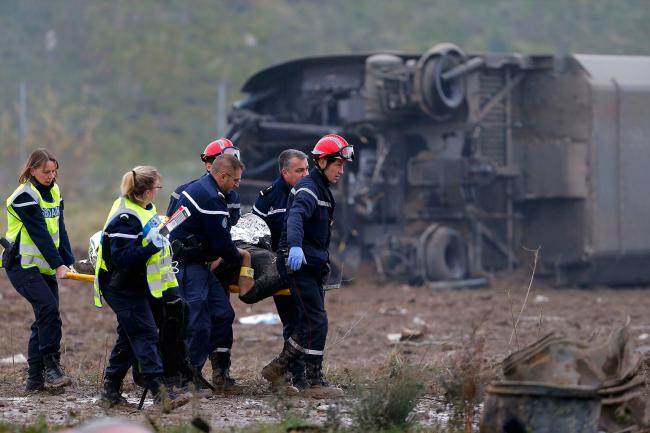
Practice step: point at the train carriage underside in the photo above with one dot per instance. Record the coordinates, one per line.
(465, 162)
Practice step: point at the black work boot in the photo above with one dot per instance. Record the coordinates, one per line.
(276, 370)
(298, 377)
(35, 381)
(165, 398)
(319, 387)
(53, 374)
(221, 372)
(111, 395)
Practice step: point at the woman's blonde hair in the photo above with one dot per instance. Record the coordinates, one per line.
(35, 160)
(138, 180)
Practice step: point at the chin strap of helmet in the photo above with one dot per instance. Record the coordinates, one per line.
(328, 159)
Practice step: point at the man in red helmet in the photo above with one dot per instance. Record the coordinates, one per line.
(222, 146)
(304, 244)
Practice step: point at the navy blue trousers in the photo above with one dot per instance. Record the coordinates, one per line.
(42, 292)
(289, 316)
(310, 330)
(137, 336)
(211, 316)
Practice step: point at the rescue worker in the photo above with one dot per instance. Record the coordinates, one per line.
(271, 207)
(209, 328)
(222, 146)
(304, 243)
(40, 254)
(134, 274)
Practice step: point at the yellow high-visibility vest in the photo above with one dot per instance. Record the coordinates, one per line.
(30, 255)
(160, 275)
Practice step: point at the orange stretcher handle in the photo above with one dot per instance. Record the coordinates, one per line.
(80, 277)
(234, 288)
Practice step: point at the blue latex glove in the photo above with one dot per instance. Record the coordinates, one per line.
(156, 238)
(296, 258)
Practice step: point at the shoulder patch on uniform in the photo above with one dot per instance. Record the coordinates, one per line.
(267, 190)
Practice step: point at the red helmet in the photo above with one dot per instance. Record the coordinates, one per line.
(218, 147)
(333, 146)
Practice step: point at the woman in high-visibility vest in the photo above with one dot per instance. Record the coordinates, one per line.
(133, 272)
(40, 254)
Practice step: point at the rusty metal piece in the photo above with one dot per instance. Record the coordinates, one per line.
(611, 368)
(540, 408)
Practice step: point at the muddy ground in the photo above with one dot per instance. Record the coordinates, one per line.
(361, 317)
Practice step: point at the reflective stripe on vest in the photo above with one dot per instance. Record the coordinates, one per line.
(313, 194)
(30, 255)
(160, 275)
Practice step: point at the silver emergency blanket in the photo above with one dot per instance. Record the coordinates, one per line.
(250, 229)
(252, 234)
(93, 247)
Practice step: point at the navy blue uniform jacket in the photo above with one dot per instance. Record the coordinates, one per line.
(233, 200)
(271, 207)
(126, 253)
(309, 216)
(209, 222)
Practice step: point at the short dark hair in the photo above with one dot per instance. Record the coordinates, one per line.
(287, 155)
(225, 162)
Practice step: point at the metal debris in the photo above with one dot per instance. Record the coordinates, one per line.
(611, 368)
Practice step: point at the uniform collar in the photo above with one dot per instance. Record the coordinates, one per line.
(216, 186)
(319, 177)
(44, 190)
(280, 183)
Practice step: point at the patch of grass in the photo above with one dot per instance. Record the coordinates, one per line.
(40, 426)
(289, 424)
(283, 406)
(386, 405)
(461, 380)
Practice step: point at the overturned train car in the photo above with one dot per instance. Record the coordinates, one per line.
(464, 161)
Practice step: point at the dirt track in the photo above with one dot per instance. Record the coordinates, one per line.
(361, 316)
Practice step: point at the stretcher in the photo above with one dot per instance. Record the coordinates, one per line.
(88, 278)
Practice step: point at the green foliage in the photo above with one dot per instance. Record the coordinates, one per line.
(289, 424)
(40, 426)
(115, 84)
(386, 404)
(461, 379)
